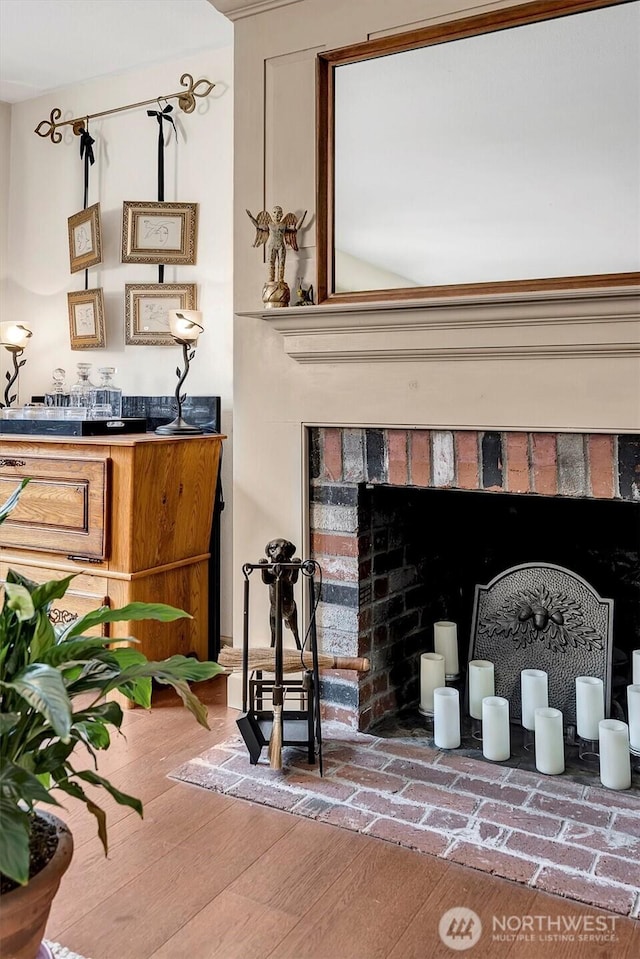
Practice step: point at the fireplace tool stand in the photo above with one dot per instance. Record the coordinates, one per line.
(280, 726)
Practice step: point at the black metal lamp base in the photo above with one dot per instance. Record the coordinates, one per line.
(178, 427)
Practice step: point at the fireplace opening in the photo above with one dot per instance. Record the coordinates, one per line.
(422, 552)
(398, 557)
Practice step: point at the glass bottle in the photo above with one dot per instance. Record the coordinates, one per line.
(80, 392)
(106, 392)
(58, 395)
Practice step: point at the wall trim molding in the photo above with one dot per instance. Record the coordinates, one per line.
(238, 9)
(560, 325)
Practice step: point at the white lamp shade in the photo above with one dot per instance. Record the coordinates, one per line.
(14, 335)
(186, 325)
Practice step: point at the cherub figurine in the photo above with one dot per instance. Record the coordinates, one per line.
(280, 231)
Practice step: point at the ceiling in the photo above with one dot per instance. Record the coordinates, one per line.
(47, 44)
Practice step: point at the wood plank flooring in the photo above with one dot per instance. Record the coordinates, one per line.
(203, 876)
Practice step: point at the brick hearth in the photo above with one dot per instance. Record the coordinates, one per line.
(574, 840)
(368, 595)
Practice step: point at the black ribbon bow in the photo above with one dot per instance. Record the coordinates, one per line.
(86, 145)
(161, 116)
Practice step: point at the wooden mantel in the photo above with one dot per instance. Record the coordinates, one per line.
(558, 324)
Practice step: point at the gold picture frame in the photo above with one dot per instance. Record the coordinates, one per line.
(85, 238)
(146, 306)
(162, 233)
(86, 319)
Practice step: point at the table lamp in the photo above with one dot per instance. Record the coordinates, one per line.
(185, 326)
(14, 337)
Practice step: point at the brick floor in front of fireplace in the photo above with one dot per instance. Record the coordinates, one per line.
(560, 834)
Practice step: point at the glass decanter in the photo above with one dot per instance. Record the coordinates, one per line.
(58, 395)
(80, 392)
(106, 393)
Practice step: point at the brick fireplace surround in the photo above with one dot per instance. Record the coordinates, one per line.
(369, 606)
(575, 840)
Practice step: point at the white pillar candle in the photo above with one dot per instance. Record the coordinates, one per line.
(589, 706)
(549, 741)
(615, 760)
(534, 687)
(481, 684)
(496, 741)
(445, 642)
(446, 717)
(636, 666)
(431, 676)
(633, 701)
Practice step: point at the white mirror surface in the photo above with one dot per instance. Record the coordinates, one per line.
(504, 156)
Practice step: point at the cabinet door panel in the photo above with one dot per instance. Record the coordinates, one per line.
(85, 593)
(62, 509)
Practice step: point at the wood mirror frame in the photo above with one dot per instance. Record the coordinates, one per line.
(327, 63)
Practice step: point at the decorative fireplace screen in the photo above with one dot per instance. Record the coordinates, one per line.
(544, 617)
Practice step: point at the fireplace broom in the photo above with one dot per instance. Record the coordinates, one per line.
(293, 660)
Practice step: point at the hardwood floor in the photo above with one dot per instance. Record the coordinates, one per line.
(203, 876)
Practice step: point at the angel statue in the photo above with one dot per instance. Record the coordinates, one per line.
(280, 231)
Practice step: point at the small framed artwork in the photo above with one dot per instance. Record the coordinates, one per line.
(146, 309)
(86, 319)
(85, 241)
(159, 232)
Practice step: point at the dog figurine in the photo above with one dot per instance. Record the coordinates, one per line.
(282, 551)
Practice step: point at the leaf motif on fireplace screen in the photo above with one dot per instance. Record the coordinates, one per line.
(531, 616)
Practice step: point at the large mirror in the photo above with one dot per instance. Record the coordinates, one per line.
(488, 154)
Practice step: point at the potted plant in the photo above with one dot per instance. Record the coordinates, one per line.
(53, 684)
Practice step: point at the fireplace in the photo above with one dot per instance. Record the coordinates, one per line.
(405, 524)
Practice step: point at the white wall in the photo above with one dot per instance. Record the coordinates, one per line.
(275, 396)
(5, 139)
(47, 188)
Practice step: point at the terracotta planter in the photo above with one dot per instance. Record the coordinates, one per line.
(24, 911)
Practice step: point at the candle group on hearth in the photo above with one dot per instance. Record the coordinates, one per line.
(609, 741)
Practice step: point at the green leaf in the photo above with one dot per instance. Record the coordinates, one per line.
(75, 650)
(109, 713)
(94, 734)
(7, 722)
(51, 756)
(134, 611)
(54, 589)
(19, 600)
(43, 689)
(44, 637)
(12, 502)
(16, 783)
(123, 798)
(14, 841)
(73, 789)
(190, 700)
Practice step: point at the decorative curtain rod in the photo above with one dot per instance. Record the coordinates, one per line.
(186, 101)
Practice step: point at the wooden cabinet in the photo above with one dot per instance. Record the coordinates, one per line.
(131, 515)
